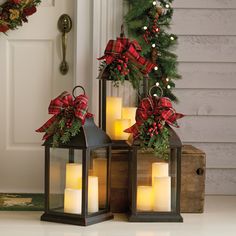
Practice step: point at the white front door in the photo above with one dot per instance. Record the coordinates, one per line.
(29, 79)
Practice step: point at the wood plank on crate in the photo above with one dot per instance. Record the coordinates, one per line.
(211, 4)
(207, 49)
(204, 22)
(206, 102)
(221, 181)
(202, 129)
(207, 75)
(219, 155)
(193, 175)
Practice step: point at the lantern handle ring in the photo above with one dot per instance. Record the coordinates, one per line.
(155, 95)
(73, 92)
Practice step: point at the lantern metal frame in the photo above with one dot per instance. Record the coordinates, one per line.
(137, 216)
(89, 138)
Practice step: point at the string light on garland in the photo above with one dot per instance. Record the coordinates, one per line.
(167, 6)
(145, 27)
(168, 86)
(172, 38)
(153, 45)
(157, 84)
(154, 3)
(167, 79)
(156, 68)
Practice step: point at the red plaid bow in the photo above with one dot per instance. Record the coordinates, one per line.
(130, 49)
(160, 108)
(78, 107)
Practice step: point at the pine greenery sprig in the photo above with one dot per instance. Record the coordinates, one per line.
(135, 76)
(61, 133)
(159, 143)
(143, 13)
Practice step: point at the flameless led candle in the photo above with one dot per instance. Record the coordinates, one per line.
(113, 112)
(120, 126)
(73, 176)
(159, 169)
(129, 113)
(93, 194)
(162, 194)
(144, 198)
(73, 201)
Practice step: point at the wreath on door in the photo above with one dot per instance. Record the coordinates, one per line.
(13, 13)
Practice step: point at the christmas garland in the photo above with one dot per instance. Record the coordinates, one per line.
(68, 117)
(153, 118)
(147, 22)
(14, 12)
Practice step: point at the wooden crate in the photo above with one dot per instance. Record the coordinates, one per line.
(193, 180)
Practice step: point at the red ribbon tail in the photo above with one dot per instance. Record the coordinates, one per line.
(47, 125)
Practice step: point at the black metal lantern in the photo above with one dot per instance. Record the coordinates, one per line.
(77, 178)
(154, 194)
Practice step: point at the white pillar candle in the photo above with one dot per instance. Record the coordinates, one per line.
(120, 126)
(159, 169)
(162, 194)
(129, 113)
(74, 176)
(93, 194)
(113, 112)
(73, 201)
(144, 198)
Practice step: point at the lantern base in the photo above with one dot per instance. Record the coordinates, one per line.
(116, 144)
(158, 217)
(76, 220)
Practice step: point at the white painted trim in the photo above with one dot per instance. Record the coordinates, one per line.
(83, 44)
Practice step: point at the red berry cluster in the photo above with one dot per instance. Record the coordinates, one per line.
(122, 65)
(155, 129)
(69, 115)
(151, 31)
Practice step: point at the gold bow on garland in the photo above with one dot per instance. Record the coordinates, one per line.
(14, 12)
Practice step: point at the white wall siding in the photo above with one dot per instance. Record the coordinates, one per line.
(207, 92)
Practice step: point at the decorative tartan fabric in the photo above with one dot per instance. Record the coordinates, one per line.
(124, 47)
(65, 104)
(160, 108)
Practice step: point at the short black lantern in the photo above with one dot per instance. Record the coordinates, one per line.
(155, 184)
(155, 162)
(77, 164)
(76, 190)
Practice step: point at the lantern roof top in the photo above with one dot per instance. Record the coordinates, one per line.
(174, 140)
(90, 136)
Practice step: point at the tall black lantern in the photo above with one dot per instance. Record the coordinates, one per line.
(154, 194)
(123, 72)
(77, 178)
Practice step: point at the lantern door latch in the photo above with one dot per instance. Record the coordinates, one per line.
(65, 26)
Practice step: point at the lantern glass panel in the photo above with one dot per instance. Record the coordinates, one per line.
(118, 108)
(65, 191)
(156, 182)
(98, 180)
